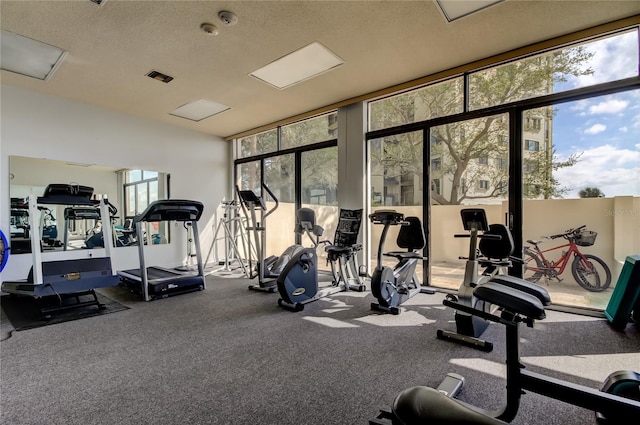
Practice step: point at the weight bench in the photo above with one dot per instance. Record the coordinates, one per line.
(422, 405)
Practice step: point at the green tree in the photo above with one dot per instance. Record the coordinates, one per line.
(473, 152)
(591, 192)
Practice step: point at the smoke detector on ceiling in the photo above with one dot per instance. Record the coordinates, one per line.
(228, 18)
(209, 28)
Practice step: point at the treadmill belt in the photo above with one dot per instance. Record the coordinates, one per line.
(153, 273)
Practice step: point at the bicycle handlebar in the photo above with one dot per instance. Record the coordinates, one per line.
(566, 232)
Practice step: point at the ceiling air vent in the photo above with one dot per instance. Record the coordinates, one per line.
(159, 76)
(98, 2)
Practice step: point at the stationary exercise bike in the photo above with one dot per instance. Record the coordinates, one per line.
(299, 283)
(617, 401)
(490, 248)
(394, 286)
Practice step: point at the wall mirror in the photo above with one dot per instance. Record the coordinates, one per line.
(68, 227)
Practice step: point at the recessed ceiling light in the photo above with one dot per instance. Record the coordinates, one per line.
(305, 63)
(199, 110)
(456, 9)
(29, 57)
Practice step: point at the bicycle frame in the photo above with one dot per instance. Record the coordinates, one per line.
(560, 263)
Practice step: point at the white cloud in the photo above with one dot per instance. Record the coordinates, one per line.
(610, 106)
(580, 105)
(614, 58)
(595, 129)
(614, 171)
(623, 129)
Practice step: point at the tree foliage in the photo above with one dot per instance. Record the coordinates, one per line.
(460, 148)
(591, 192)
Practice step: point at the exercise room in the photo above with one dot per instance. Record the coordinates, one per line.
(320, 212)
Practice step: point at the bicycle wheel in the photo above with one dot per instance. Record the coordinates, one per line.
(533, 266)
(593, 274)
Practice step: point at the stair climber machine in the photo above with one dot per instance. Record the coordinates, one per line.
(299, 284)
(493, 253)
(266, 269)
(394, 286)
(62, 280)
(616, 402)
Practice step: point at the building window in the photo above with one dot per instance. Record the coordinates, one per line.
(483, 160)
(532, 145)
(533, 124)
(436, 164)
(483, 184)
(435, 186)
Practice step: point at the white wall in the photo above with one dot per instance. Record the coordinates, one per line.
(40, 126)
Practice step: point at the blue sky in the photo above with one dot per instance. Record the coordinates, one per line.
(605, 130)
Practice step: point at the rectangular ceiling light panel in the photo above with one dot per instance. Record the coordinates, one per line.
(25, 56)
(456, 9)
(199, 110)
(307, 62)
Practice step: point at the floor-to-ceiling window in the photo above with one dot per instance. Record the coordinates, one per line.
(469, 169)
(554, 132)
(298, 163)
(395, 182)
(590, 169)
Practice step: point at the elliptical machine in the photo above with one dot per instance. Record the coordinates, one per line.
(394, 286)
(492, 253)
(299, 284)
(266, 269)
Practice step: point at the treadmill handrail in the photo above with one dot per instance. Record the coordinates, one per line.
(171, 210)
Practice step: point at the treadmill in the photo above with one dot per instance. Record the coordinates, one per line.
(156, 282)
(59, 281)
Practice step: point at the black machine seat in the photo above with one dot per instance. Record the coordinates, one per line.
(424, 405)
(172, 210)
(496, 244)
(411, 236)
(524, 286)
(510, 299)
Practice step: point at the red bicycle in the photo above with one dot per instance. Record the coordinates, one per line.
(589, 271)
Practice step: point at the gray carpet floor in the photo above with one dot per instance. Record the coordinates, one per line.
(228, 355)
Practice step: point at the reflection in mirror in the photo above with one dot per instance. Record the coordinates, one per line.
(68, 228)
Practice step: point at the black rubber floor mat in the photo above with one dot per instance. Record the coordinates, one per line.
(24, 312)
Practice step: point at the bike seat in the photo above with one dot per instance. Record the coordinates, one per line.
(422, 405)
(334, 249)
(403, 255)
(511, 299)
(532, 242)
(524, 286)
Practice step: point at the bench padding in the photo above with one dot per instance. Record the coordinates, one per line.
(424, 405)
(510, 299)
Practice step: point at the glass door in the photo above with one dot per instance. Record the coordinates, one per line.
(468, 169)
(319, 189)
(581, 187)
(396, 179)
(279, 177)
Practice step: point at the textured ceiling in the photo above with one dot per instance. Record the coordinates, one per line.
(111, 47)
